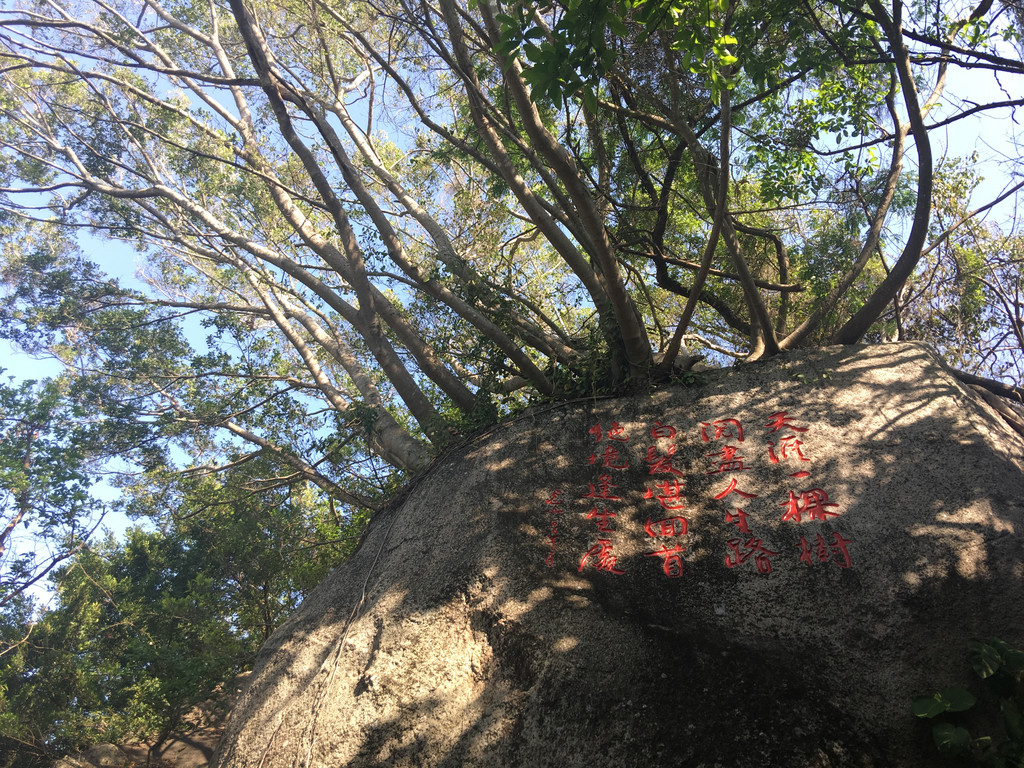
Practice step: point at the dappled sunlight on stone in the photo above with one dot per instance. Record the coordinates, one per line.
(754, 554)
(564, 644)
(965, 552)
(498, 465)
(982, 515)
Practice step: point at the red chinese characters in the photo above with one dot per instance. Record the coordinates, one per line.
(601, 555)
(602, 489)
(723, 429)
(553, 504)
(670, 496)
(810, 506)
(813, 503)
(671, 559)
(610, 458)
(749, 544)
(659, 431)
(739, 518)
(667, 526)
(613, 455)
(822, 551)
(661, 464)
(732, 488)
(728, 460)
(602, 518)
(553, 501)
(781, 420)
(789, 447)
(743, 550)
(604, 559)
(615, 432)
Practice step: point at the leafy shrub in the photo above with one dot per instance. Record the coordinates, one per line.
(1001, 666)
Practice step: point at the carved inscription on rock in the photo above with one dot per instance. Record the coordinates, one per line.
(731, 456)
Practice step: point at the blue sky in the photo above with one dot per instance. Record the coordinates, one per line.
(990, 135)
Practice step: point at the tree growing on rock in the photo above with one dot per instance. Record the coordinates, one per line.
(394, 221)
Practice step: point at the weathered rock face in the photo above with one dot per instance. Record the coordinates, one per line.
(761, 569)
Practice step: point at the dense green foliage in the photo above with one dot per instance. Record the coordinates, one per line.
(1001, 666)
(46, 448)
(364, 230)
(141, 631)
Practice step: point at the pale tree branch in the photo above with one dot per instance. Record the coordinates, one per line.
(857, 326)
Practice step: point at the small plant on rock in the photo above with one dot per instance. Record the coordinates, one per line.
(1001, 666)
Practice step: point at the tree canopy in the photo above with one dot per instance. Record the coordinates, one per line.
(396, 221)
(365, 229)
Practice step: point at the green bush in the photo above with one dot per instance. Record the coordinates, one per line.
(1001, 667)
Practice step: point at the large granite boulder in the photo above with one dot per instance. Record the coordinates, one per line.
(761, 568)
(97, 756)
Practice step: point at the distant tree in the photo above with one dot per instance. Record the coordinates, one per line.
(46, 510)
(364, 231)
(142, 631)
(131, 645)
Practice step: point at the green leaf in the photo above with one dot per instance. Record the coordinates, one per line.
(952, 699)
(1013, 719)
(616, 25)
(984, 658)
(951, 739)
(957, 698)
(927, 706)
(1012, 754)
(1013, 658)
(983, 742)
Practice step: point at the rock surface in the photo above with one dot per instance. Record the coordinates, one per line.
(98, 756)
(203, 728)
(555, 594)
